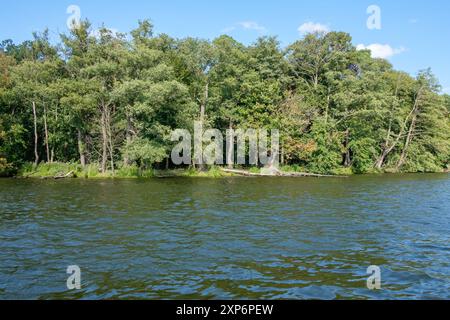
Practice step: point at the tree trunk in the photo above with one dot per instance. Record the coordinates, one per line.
(111, 147)
(379, 163)
(203, 104)
(230, 147)
(129, 139)
(47, 149)
(36, 154)
(386, 148)
(409, 138)
(81, 149)
(202, 115)
(412, 127)
(104, 140)
(381, 159)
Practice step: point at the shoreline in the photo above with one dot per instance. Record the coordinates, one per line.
(63, 171)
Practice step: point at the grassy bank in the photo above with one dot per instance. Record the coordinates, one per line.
(51, 170)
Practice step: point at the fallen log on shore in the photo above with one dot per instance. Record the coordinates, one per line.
(70, 174)
(279, 174)
(246, 173)
(64, 176)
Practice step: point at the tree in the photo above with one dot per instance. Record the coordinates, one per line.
(112, 100)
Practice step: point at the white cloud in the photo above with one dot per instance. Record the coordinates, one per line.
(228, 29)
(246, 25)
(311, 27)
(413, 21)
(383, 51)
(251, 25)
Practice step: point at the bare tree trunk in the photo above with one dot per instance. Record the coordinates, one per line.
(386, 148)
(129, 139)
(104, 140)
(409, 138)
(412, 126)
(111, 147)
(81, 149)
(52, 152)
(230, 147)
(111, 153)
(205, 101)
(46, 135)
(36, 154)
(379, 163)
(202, 115)
(381, 159)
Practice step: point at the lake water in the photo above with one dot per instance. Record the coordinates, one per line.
(246, 238)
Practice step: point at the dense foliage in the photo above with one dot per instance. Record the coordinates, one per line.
(111, 101)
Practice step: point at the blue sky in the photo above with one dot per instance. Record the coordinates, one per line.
(413, 35)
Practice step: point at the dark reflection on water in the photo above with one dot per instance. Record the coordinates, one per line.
(231, 238)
